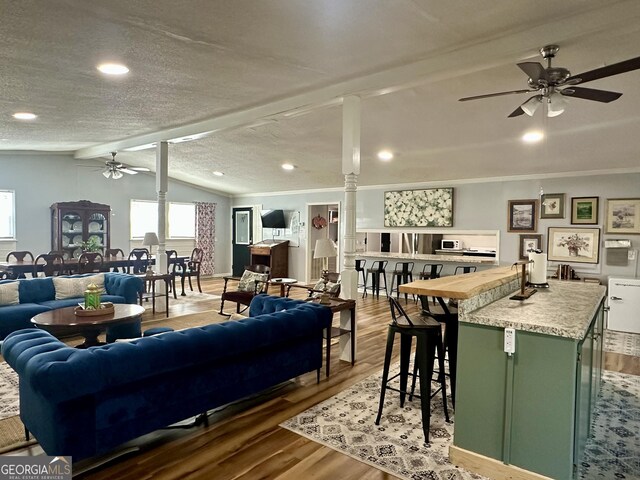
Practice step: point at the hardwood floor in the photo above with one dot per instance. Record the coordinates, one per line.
(244, 441)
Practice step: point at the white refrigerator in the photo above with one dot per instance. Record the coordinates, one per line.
(624, 305)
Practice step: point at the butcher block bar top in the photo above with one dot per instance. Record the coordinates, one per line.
(461, 286)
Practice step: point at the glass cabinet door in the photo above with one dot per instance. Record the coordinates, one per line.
(72, 226)
(97, 230)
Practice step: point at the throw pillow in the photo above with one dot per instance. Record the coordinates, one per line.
(9, 294)
(237, 316)
(68, 287)
(332, 288)
(248, 281)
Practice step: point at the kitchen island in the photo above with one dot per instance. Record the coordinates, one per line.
(528, 413)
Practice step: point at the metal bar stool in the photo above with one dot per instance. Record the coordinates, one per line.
(429, 271)
(462, 269)
(429, 345)
(402, 273)
(377, 269)
(360, 269)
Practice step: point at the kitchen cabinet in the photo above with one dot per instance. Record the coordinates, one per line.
(73, 223)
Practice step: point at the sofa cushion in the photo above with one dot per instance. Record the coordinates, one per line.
(248, 281)
(73, 287)
(37, 290)
(9, 294)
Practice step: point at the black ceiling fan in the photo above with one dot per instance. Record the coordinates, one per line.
(552, 84)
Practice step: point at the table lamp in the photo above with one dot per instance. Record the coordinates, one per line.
(150, 239)
(325, 249)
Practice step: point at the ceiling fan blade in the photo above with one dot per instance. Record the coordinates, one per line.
(139, 169)
(534, 70)
(126, 170)
(488, 95)
(608, 70)
(516, 113)
(604, 96)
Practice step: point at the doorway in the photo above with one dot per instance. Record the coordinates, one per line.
(324, 222)
(242, 238)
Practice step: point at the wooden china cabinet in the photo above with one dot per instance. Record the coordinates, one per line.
(75, 222)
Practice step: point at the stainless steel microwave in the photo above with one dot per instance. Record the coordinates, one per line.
(450, 245)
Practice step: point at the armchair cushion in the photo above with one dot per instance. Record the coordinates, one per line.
(249, 279)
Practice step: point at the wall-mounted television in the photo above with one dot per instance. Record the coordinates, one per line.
(273, 219)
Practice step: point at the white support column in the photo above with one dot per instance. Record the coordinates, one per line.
(350, 168)
(162, 185)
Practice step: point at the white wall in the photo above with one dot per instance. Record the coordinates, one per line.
(40, 180)
(480, 206)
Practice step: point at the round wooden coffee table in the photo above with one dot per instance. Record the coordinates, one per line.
(64, 320)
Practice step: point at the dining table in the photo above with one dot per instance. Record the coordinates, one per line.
(18, 269)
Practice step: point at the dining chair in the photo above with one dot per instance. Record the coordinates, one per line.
(52, 265)
(20, 256)
(90, 262)
(114, 253)
(138, 261)
(192, 268)
(174, 268)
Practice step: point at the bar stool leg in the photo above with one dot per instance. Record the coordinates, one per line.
(365, 276)
(425, 368)
(405, 356)
(385, 371)
(375, 279)
(386, 290)
(441, 376)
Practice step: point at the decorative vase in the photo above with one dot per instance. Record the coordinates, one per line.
(573, 251)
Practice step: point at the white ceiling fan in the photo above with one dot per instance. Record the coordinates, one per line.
(116, 169)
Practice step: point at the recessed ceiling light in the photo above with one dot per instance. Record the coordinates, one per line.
(532, 137)
(288, 166)
(218, 174)
(113, 68)
(24, 116)
(385, 155)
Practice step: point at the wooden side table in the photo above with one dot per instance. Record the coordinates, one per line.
(151, 280)
(340, 305)
(283, 282)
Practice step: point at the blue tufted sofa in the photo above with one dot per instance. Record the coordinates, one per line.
(86, 402)
(38, 295)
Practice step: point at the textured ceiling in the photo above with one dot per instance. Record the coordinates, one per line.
(238, 61)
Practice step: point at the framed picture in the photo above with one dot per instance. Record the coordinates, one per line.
(529, 242)
(584, 210)
(522, 215)
(552, 205)
(573, 244)
(432, 207)
(623, 215)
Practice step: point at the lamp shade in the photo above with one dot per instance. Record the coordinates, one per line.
(530, 106)
(325, 248)
(150, 239)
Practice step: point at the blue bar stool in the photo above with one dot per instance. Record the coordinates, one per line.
(377, 269)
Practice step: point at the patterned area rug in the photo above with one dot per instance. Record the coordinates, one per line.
(613, 450)
(9, 396)
(621, 342)
(345, 423)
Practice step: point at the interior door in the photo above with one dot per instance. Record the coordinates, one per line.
(242, 238)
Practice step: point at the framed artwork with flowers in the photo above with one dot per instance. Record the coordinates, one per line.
(573, 244)
(431, 207)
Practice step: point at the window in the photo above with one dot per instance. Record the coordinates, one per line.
(7, 214)
(144, 218)
(181, 218)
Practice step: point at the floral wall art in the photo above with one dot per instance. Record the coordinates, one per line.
(431, 207)
(573, 244)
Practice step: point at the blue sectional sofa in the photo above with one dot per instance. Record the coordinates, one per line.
(38, 295)
(86, 402)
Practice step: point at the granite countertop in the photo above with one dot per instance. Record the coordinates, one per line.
(429, 257)
(565, 309)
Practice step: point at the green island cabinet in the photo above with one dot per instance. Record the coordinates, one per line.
(531, 409)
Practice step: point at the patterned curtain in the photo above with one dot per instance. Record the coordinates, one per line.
(205, 234)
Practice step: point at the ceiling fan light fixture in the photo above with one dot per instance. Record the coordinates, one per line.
(530, 106)
(556, 104)
(107, 173)
(116, 174)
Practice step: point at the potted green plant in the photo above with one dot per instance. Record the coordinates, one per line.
(91, 245)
